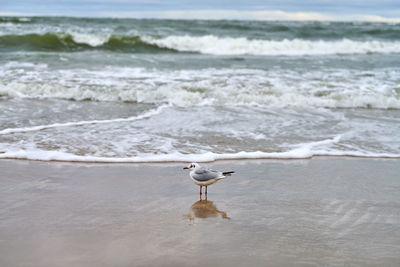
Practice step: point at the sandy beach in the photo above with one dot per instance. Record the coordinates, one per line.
(323, 211)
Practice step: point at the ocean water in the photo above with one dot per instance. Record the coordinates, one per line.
(127, 90)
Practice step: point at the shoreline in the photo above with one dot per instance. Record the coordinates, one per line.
(127, 162)
(319, 211)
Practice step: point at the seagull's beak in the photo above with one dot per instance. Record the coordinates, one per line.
(186, 168)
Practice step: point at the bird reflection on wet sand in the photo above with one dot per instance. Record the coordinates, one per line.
(205, 209)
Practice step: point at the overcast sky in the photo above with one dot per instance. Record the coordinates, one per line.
(378, 10)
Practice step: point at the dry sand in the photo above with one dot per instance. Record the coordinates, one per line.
(323, 211)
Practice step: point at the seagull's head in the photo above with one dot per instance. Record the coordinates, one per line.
(191, 166)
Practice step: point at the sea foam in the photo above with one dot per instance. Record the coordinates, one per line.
(336, 89)
(303, 153)
(81, 123)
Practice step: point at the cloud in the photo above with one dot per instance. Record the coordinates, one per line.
(304, 10)
(248, 15)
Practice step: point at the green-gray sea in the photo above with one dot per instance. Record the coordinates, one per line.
(134, 90)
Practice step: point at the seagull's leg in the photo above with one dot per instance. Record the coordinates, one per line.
(206, 190)
(200, 190)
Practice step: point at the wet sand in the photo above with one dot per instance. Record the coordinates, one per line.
(323, 211)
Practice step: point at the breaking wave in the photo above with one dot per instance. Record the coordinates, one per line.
(242, 46)
(207, 44)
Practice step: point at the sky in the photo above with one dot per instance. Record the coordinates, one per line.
(342, 10)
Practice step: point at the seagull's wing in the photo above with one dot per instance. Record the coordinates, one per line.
(202, 174)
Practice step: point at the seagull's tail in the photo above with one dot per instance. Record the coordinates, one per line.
(227, 173)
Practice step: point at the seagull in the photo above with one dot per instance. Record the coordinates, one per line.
(205, 177)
